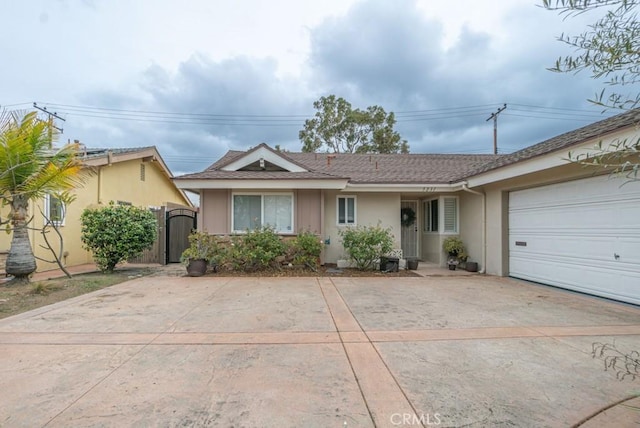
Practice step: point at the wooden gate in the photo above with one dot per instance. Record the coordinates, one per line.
(156, 253)
(180, 222)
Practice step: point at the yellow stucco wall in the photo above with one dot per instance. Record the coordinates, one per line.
(120, 181)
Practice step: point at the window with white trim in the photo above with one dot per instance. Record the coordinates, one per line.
(253, 211)
(450, 208)
(431, 214)
(346, 210)
(54, 210)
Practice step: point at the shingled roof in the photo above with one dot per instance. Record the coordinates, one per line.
(394, 168)
(358, 168)
(407, 168)
(564, 141)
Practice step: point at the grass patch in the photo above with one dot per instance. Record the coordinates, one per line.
(15, 299)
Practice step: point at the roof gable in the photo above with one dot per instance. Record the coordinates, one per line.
(263, 158)
(97, 157)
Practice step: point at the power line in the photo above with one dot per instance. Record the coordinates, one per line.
(296, 120)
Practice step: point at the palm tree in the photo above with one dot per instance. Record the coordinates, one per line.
(29, 169)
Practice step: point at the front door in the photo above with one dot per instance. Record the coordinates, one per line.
(409, 226)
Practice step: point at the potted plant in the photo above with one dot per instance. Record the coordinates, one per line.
(203, 250)
(455, 250)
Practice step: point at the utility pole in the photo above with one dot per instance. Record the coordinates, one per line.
(50, 120)
(494, 116)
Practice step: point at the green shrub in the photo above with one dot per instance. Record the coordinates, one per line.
(365, 245)
(202, 246)
(117, 232)
(453, 246)
(255, 250)
(306, 249)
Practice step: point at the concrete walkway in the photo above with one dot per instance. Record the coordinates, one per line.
(317, 352)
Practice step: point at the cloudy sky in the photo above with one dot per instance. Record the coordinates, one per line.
(197, 78)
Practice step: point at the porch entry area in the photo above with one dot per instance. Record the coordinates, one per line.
(409, 229)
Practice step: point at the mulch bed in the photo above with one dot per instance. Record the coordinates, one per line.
(326, 270)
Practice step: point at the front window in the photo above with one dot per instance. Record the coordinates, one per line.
(54, 210)
(252, 212)
(431, 215)
(346, 210)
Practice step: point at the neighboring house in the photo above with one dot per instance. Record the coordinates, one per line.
(531, 214)
(132, 176)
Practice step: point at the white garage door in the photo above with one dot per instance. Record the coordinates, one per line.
(583, 235)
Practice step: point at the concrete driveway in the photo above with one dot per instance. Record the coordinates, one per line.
(317, 352)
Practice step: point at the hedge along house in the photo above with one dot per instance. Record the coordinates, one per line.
(131, 176)
(531, 214)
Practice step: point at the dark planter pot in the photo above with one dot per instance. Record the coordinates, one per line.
(412, 264)
(452, 267)
(197, 267)
(472, 267)
(389, 264)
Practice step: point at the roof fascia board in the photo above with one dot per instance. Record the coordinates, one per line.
(118, 157)
(151, 154)
(268, 156)
(260, 184)
(402, 187)
(549, 160)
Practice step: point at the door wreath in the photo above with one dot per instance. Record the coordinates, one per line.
(407, 216)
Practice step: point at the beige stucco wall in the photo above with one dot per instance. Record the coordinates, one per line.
(471, 226)
(118, 182)
(308, 210)
(431, 246)
(214, 216)
(371, 209)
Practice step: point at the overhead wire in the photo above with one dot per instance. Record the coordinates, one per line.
(297, 120)
(525, 111)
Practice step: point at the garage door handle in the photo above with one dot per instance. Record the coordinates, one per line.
(616, 256)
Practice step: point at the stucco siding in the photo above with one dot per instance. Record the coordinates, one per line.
(121, 181)
(371, 209)
(215, 211)
(471, 226)
(308, 210)
(431, 247)
(71, 230)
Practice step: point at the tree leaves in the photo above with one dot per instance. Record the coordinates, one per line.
(610, 48)
(338, 128)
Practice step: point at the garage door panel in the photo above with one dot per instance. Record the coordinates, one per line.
(583, 235)
(601, 248)
(624, 287)
(592, 217)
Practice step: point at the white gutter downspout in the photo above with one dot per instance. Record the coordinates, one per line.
(484, 224)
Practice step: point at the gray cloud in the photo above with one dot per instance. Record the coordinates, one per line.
(379, 52)
(387, 53)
